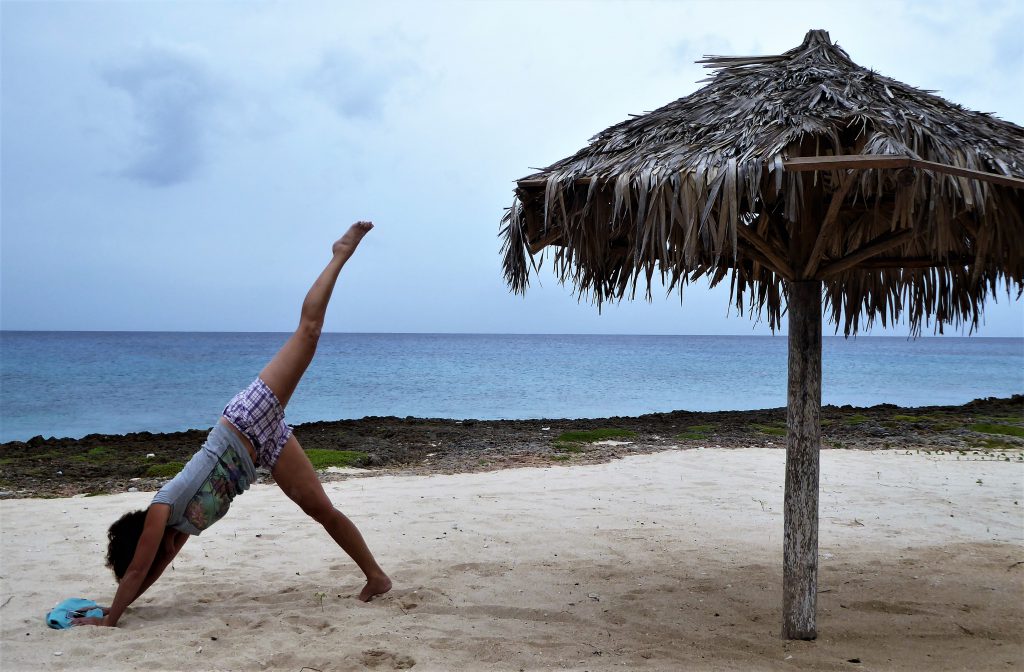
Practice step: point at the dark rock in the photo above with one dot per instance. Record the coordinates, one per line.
(401, 444)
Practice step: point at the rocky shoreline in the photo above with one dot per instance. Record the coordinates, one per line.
(990, 428)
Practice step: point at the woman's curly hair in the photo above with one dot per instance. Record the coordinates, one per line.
(124, 537)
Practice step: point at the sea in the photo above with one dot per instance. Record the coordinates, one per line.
(69, 384)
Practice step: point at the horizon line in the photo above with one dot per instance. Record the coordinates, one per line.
(482, 333)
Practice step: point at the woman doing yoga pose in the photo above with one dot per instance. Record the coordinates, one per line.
(251, 432)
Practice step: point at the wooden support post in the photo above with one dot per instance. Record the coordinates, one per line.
(803, 443)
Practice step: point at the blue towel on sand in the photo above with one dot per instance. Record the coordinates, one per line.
(73, 607)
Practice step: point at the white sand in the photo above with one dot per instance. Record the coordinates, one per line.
(666, 561)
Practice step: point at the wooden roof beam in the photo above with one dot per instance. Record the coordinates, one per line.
(852, 161)
(542, 182)
(893, 161)
(827, 224)
(747, 252)
(776, 262)
(881, 263)
(874, 248)
(549, 238)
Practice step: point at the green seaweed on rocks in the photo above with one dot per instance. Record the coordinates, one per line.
(101, 455)
(777, 428)
(323, 458)
(573, 441)
(165, 470)
(994, 444)
(696, 432)
(989, 428)
(593, 435)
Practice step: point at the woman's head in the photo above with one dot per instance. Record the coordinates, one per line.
(124, 537)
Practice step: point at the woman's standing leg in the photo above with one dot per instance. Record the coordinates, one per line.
(297, 478)
(293, 470)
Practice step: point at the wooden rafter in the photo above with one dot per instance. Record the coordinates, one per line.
(550, 238)
(827, 224)
(869, 161)
(542, 182)
(776, 262)
(849, 161)
(748, 251)
(879, 263)
(874, 248)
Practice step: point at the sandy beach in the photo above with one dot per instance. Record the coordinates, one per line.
(663, 561)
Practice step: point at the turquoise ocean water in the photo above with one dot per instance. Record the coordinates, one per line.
(76, 383)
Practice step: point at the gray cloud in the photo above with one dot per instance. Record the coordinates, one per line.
(1008, 47)
(171, 93)
(353, 87)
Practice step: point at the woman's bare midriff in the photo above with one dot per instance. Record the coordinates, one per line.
(245, 440)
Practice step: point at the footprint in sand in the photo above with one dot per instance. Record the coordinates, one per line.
(485, 569)
(901, 608)
(410, 598)
(378, 658)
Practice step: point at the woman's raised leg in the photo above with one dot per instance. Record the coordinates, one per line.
(285, 370)
(297, 478)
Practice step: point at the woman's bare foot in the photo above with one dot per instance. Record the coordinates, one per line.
(348, 243)
(375, 586)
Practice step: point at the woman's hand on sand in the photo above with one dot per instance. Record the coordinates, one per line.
(347, 244)
(91, 620)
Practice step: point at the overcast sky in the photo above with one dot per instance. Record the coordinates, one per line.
(186, 165)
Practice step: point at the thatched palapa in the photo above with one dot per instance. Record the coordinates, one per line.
(708, 186)
(800, 177)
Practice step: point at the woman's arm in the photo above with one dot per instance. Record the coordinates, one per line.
(169, 547)
(131, 584)
(172, 543)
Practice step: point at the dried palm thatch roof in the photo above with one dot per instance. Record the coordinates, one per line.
(920, 213)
